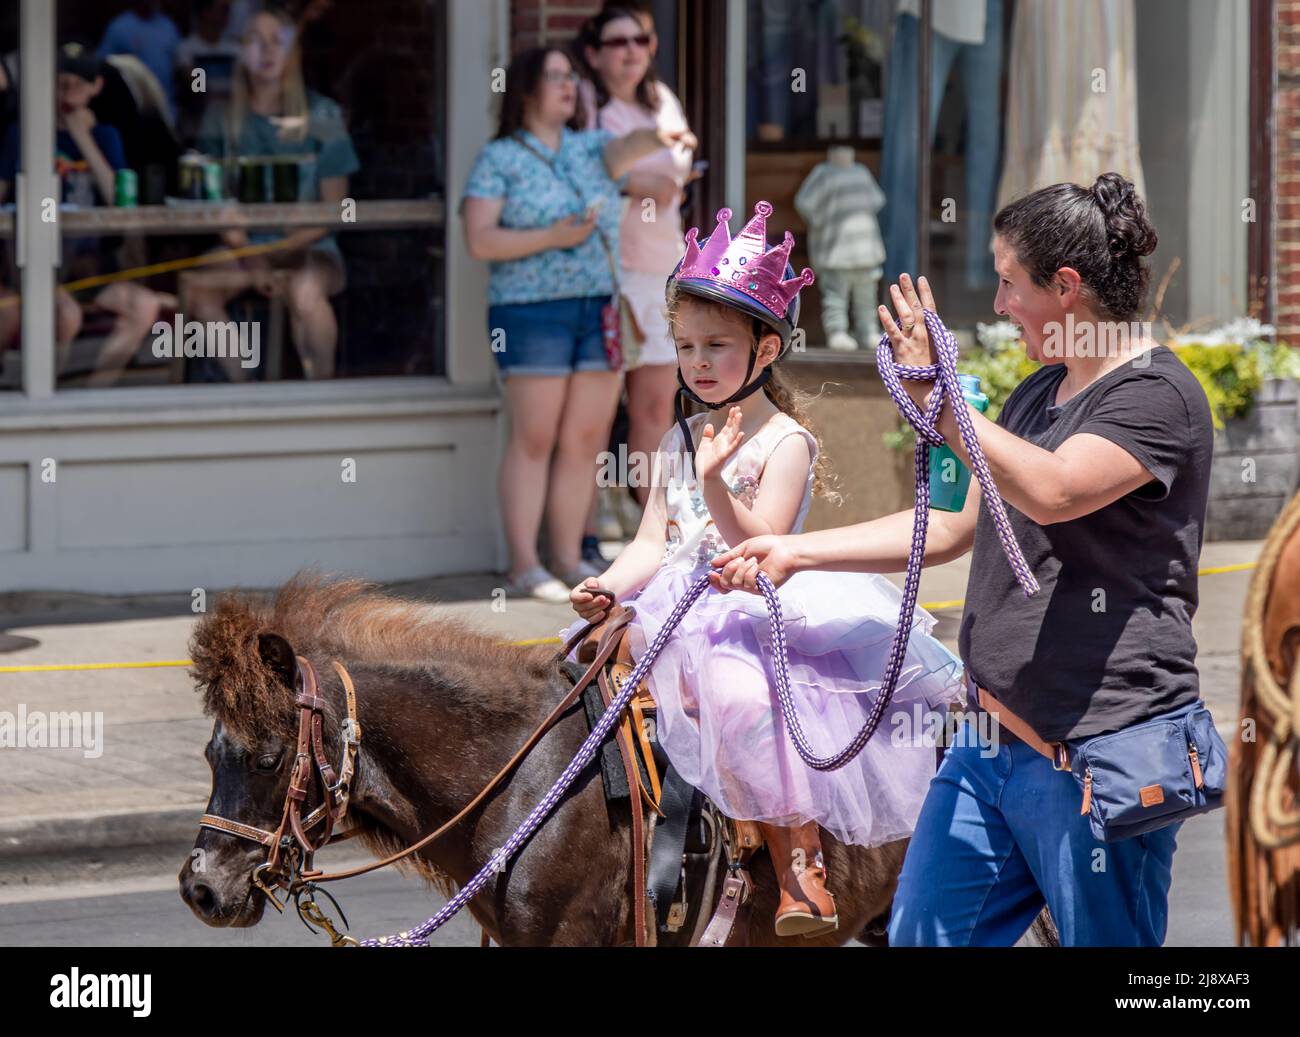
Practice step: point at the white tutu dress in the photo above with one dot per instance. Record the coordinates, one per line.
(720, 721)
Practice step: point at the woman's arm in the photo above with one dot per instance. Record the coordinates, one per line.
(659, 186)
(622, 153)
(879, 546)
(488, 240)
(884, 545)
(1083, 474)
(80, 125)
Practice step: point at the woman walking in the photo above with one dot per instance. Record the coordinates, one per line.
(1103, 457)
(541, 207)
(623, 95)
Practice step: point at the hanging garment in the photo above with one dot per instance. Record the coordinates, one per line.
(1072, 96)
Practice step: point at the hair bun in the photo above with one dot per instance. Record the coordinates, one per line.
(1128, 231)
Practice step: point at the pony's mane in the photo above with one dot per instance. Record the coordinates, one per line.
(325, 618)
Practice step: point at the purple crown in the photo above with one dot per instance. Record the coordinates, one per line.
(745, 263)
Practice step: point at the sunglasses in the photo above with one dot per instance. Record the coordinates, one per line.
(641, 40)
(561, 77)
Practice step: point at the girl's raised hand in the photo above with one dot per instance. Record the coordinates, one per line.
(714, 450)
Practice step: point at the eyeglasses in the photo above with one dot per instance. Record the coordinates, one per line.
(641, 40)
(561, 77)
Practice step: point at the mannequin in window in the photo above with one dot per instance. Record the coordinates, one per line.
(839, 201)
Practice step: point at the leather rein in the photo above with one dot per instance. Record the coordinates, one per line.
(291, 848)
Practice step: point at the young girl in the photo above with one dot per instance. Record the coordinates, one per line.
(733, 305)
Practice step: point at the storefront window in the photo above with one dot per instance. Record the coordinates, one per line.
(1021, 95)
(263, 194)
(815, 115)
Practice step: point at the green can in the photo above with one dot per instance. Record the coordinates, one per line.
(128, 188)
(214, 180)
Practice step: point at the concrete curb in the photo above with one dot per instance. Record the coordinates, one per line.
(98, 830)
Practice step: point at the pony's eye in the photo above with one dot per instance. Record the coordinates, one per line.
(269, 761)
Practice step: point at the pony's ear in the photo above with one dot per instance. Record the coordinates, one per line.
(278, 654)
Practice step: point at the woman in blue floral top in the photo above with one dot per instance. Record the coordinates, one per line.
(541, 206)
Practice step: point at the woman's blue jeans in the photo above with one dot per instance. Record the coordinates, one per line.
(980, 68)
(999, 835)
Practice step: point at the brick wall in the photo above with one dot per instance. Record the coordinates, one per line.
(1287, 236)
(548, 21)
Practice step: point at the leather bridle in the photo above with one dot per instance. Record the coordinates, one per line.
(291, 846)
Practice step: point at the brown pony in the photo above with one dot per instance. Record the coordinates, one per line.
(442, 707)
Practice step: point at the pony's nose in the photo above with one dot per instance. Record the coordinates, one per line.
(198, 895)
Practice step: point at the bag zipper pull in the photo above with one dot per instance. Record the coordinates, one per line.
(1196, 767)
(1087, 791)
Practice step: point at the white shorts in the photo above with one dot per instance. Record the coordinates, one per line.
(645, 297)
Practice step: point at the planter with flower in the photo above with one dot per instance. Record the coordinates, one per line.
(1250, 379)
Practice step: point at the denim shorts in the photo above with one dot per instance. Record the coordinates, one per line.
(556, 337)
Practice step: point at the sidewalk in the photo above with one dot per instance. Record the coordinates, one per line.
(151, 781)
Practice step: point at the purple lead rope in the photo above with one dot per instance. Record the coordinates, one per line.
(944, 376)
(946, 386)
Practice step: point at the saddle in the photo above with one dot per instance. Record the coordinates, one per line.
(690, 834)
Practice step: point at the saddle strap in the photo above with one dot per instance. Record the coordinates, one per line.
(677, 802)
(628, 743)
(626, 752)
(735, 894)
(641, 703)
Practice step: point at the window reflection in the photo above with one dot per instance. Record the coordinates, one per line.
(275, 210)
(1019, 96)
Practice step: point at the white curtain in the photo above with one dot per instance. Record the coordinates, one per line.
(1072, 96)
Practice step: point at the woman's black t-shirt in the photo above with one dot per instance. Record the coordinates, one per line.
(1107, 640)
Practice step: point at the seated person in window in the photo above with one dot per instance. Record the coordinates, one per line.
(210, 49)
(88, 155)
(272, 113)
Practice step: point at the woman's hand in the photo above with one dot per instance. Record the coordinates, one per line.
(738, 568)
(671, 138)
(593, 607)
(908, 336)
(714, 450)
(571, 231)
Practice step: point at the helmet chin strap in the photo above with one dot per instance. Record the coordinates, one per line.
(747, 388)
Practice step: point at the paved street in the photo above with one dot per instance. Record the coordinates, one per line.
(148, 912)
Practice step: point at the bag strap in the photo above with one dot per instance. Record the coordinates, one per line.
(550, 164)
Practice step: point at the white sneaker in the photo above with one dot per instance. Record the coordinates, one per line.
(538, 583)
(842, 341)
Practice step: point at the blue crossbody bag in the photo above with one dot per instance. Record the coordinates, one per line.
(1151, 774)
